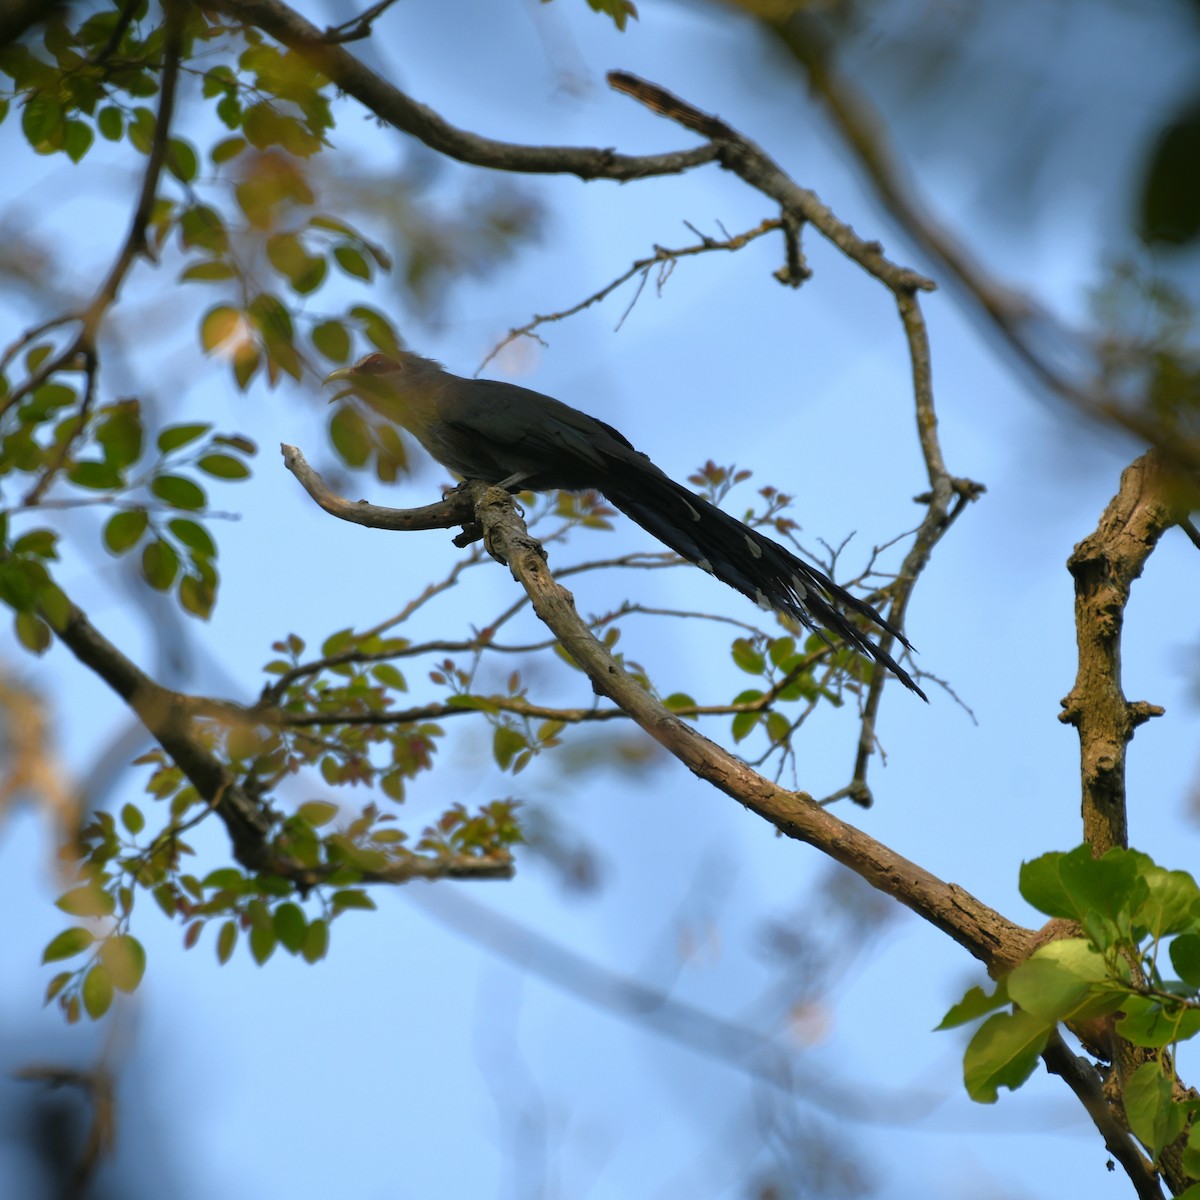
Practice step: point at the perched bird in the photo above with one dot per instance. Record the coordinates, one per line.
(521, 440)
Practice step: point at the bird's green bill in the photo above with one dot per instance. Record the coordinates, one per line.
(345, 376)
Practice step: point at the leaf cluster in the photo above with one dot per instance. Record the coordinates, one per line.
(1114, 974)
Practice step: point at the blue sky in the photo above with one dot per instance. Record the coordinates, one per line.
(414, 1062)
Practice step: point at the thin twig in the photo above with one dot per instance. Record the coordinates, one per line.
(662, 258)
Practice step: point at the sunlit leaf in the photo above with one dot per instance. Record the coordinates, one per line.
(97, 992)
(67, 944)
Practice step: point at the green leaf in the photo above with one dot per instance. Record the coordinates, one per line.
(246, 361)
(352, 261)
(32, 632)
(379, 330)
(308, 280)
(351, 898)
(124, 530)
(179, 492)
(54, 605)
(97, 992)
(507, 743)
(1094, 891)
(125, 959)
(1155, 1023)
(390, 676)
(226, 941)
(223, 466)
(132, 819)
(78, 139)
(160, 564)
(619, 10)
(316, 941)
(1171, 903)
(230, 111)
(49, 396)
(1191, 1154)
(181, 160)
(67, 944)
(975, 1004)
(225, 879)
(219, 325)
(111, 123)
(195, 537)
(57, 984)
(42, 124)
(175, 436)
(779, 728)
(1156, 1120)
(743, 724)
(197, 596)
(202, 227)
(1003, 1053)
(39, 542)
(317, 812)
(141, 129)
(1102, 885)
(348, 433)
(227, 149)
(332, 339)
(1054, 981)
(120, 434)
(262, 943)
(211, 271)
(291, 927)
(99, 476)
(337, 642)
(1185, 958)
(88, 900)
(747, 657)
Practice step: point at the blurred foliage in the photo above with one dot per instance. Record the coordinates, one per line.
(1148, 347)
(618, 10)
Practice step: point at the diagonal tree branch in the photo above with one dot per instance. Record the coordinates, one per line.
(169, 716)
(392, 105)
(997, 942)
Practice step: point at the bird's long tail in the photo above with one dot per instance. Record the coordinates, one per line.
(747, 560)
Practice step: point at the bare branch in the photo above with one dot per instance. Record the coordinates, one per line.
(360, 27)
(662, 258)
(392, 105)
(454, 509)
(1081, 1077)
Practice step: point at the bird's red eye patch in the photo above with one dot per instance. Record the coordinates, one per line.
(376, 364)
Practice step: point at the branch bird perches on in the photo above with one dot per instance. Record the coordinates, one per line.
(518, 439)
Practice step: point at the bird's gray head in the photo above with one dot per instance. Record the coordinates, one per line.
(377, 374)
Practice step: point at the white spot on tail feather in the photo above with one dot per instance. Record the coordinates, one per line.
(798, 587)
(761, 600)
(755, 548)
(691, 511)
(704, 565)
